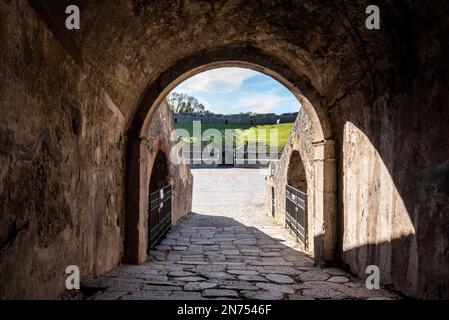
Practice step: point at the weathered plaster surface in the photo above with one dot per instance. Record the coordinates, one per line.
(71, 100)
(61, 161)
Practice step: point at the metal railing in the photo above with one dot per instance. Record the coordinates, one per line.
(160, 215)
(296, 213)
(229, 157)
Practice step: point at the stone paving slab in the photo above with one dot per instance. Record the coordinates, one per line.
(230, 252)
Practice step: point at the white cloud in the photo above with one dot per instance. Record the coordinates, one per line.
(261, 103)
(222, 80)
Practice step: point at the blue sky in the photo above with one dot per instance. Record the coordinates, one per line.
(235, 90)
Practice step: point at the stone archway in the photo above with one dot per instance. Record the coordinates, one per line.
(296, 173)
(325, 194)
(160, 175)
(298, 167)
(298, 200)
(154, 152)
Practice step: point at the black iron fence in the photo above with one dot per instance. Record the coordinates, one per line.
(160, 215)
(296, 213)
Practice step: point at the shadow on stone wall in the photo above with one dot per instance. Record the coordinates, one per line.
(397, 220)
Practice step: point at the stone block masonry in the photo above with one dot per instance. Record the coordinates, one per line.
(243, 119)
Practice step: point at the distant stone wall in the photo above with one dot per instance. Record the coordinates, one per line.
(258, 119)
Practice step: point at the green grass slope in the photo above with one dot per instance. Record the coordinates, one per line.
(242, 133)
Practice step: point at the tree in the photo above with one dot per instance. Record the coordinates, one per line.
(181, 102)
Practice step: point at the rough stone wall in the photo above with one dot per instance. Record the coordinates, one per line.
(258, 119)
(300, 139)
(394, 163)
(159, 137)
(380, 95)
(61, 155)
(60, 163)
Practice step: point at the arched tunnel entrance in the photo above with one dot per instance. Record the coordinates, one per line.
(76, 162)
(324, 210)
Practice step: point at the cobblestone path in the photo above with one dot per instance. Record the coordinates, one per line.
(228, 249)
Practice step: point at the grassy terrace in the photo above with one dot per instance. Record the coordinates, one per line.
(243, 133)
